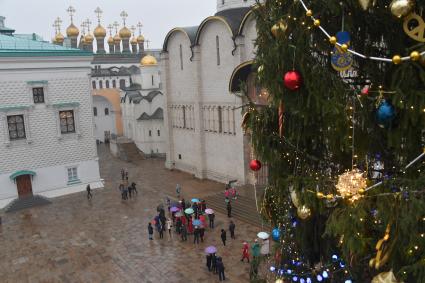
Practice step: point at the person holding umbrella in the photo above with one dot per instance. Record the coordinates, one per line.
(265, 248)
(214, 263)
(184, 233)
(196, 235)
(245, 251)
(209, 261)
(211, 219)
(223, 236)
(255, 249)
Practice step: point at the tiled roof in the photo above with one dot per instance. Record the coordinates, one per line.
(11, 46)
(157, 115)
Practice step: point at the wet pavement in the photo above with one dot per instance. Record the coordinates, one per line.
(105, 239)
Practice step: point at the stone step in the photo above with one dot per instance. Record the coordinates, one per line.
(26, 202)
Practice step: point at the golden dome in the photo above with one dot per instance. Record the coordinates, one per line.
(54, 40)
(72, 30)
(88, 38)
(148, 60)
(125, 33)
(117, 38)
(59, 38)
(110, 40)
(140, 39)
(99, 31)
(133, 40)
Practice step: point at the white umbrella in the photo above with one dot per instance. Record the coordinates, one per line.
(263, 235)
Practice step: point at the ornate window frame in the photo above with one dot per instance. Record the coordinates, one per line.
(35, 84)
(74, 106)
(15, 110)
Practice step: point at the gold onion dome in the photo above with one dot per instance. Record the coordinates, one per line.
(88, 38)
(99, 31)
(140, 39)
(125, 33)
(59, 38)
(54, 40)
(110, 40)
(72, 30)
(133, 40)
(148, 60)
(117, 38)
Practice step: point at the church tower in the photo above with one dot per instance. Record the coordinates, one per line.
(231, 4)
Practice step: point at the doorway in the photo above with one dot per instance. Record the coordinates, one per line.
(23, 183)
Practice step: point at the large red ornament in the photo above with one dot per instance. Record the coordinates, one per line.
(255, 165)
(292, 80)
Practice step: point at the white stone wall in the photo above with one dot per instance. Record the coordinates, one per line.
(147, 73)
(66, 80)
(103, 122)
(231, 4)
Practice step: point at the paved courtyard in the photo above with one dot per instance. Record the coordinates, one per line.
(105, 239)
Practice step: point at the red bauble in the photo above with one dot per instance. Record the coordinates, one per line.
(292, 80)
(255, 165)
(365, 90)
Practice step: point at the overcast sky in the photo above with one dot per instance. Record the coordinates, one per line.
(157, 16)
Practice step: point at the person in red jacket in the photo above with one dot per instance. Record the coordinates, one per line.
(245, 251)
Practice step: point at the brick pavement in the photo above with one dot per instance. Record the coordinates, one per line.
(105, 240)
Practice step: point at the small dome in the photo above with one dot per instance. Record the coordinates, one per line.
(99, 31)
(117, 38)
(54, 40)
(133, 40)
(148, 60)
(110, 40)
(59, 38)
(140, 39)
(125, 33)
(88, 38)
(72, 31)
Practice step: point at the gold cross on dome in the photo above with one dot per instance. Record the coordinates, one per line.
(139, 25)
(124, 16)
(147, 43)
(57, 24)
(110, 28)
(98, 13)
(116, 25)
(88, 23)
(83, 28)
(71, 12)
(133, 29)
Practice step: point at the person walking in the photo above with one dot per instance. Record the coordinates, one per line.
(232, 227)
(203, 206)
(160, 230)
(125, 192)
(184, 233)
(130, 189)
(183, 204)
(133, 186)
(214, 263)
(220, 269)
(196, 235)
(121, 189)
(178, 191)
(245, 251)
(209, 261)
(122, 174)
(202, 233)
(229, 209)
(169, 225)
(150, 231)
(223, 236)
(89, 195)
(265, 248)
(255, 249)
(178, 225)
(211, 219)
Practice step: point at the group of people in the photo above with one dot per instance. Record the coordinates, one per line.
(215, 264)
(127, 191)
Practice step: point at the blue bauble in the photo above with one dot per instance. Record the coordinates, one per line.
(276, 234)
(385, 114)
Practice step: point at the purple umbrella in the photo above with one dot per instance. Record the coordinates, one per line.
(174, 209)
(211, 250)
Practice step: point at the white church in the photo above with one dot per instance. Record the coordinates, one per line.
(202, 67)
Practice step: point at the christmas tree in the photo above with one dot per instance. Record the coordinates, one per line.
(346, 116)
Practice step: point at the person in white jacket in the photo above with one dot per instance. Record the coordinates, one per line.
(265, 248)
(169, 224)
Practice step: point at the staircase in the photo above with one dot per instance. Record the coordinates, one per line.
(26, 202)
(129, 152)
(243, 208)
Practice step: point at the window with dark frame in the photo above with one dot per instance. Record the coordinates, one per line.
(38, 94)
(67, 122)
(150, 133)
(100, 84)
(16, 127)
(220, 119)
(181, 57)
(152, 81)
(95, 111)
(217, 44)
(114, 83)
(106, 111)
(93, 83)
(159, 133)
(107, 83)
(72, 174)
(184, 117)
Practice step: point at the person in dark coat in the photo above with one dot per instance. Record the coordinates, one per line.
(130, 190)
(122, 174)
(223, 236)
(203, 206)
(89, 195)
(196, 235)
(202, 233)
(178, 225)
(133, 186)
(220, 269)
(209, 261)
(184, 233)
(150, 231)
(183, 204)
(229, 209)
(160, 230)
(214, 263)
(232, 227)
(211, 218)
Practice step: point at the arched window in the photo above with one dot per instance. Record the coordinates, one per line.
(106, 111)
(93, 83)
(100, 84)
(95, 111)
(114, 84)
(107, 83)
(122, 84)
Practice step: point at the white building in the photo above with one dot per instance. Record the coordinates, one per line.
(143, 109)
(47, 145)
(201, 65)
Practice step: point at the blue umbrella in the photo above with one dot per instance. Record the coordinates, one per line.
(195, 200)
(197, 222)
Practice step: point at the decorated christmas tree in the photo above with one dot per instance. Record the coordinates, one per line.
(343, 135)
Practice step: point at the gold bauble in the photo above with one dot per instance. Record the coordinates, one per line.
(330, 197)
(415, 56)
(279, 28)
(317, 23)
(303, 212)
(362, 191)
(294, 198)
(402, 8)
(350, 183)
(385, 277)
(332, 40)
(396, 59)
(320, 195)
(366, 3)
(309, 13)
(344, 47)
(279, 281)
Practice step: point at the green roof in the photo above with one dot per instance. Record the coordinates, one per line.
(11, 46)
